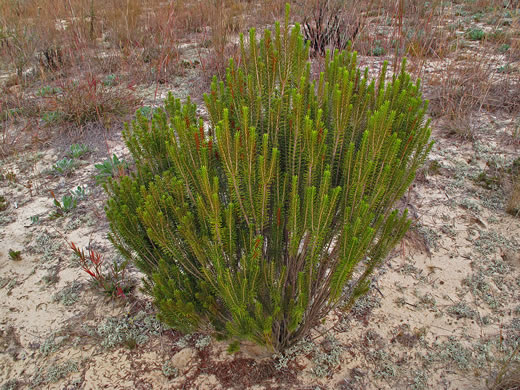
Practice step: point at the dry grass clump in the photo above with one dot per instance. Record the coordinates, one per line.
(514, 50)
(89, 100)
(227, 18)
(505, 178)
(191, 16)
(414, 29)
(48, 36)
(513, 201)
(18, 120)
(429, 41)
(469, 85)
(508, 376)
(504, 94)
(474, 6)
(461, 90)
(32, 34)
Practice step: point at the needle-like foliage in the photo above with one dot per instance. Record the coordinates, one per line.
(255, 226)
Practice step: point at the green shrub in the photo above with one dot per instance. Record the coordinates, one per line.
(258, 226)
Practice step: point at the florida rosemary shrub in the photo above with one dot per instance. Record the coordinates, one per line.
(255, 227)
